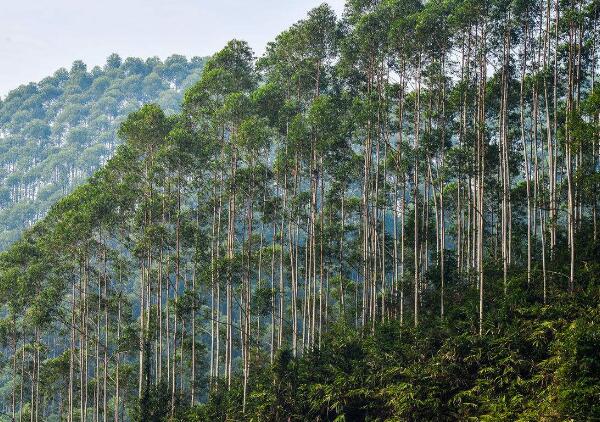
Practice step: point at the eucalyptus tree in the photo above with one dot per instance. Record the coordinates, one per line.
(300, 61)
(363, 63)
(220, 102)
(145, 130)
(410, 59)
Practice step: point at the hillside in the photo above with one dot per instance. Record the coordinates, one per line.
(57, 132)
(390, 215)
(538, 363)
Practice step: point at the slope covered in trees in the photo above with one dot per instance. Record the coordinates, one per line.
(54, 134)
(388, 215)
(537, 363)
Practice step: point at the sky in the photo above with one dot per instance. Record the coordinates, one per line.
(37, 37)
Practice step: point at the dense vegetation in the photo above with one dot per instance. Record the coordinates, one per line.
(536, 363)
(54, 134)
(392, 215)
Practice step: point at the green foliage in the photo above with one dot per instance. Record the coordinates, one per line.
(541, 365)
(390, 216)
(57, 132)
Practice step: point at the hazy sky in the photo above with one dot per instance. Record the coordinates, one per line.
(39, 36)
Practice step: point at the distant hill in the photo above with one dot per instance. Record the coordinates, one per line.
(55, 133)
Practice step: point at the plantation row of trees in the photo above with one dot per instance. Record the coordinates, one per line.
(381, 167)
(54, 134)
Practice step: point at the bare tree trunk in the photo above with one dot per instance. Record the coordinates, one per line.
(117, 358)
(416, 196)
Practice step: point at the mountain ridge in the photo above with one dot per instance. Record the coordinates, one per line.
(56, 132)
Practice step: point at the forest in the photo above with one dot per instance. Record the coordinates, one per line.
(54, 134)
(389, 215)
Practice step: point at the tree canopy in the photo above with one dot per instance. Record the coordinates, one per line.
(390, 215)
